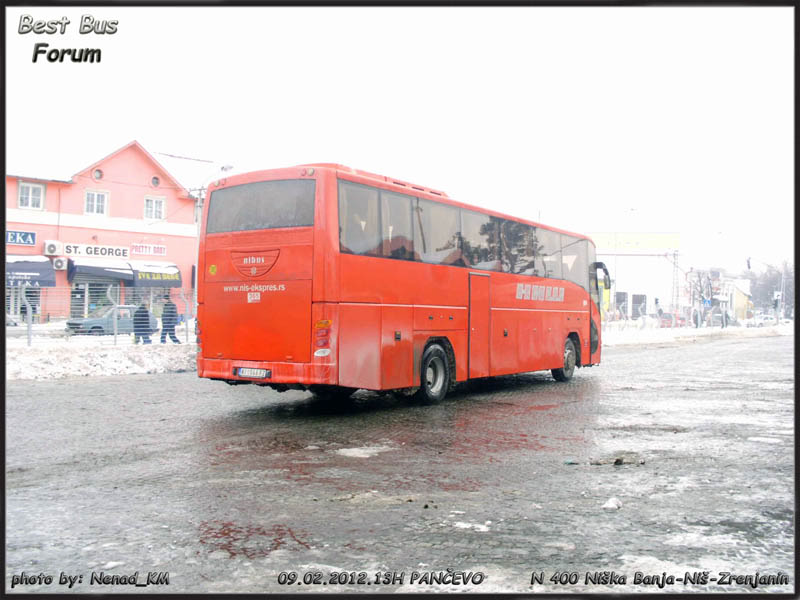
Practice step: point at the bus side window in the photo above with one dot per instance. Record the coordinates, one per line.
(358, 219)
(480, 236)
(574, 260)
(549, 257)
(510, 246)
(397, 231)
(436, 233)
(474, 243)
(521, 249)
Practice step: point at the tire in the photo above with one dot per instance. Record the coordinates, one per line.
(434, 375)
(565, 373)
(96, 331)
(333, 393)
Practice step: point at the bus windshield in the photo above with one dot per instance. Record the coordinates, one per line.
(262, 205)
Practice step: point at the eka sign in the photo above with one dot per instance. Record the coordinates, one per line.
(22, 238)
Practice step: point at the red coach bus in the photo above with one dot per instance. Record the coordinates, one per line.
(332, 279)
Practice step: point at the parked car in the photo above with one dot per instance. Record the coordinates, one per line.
(10, 322)
(765, 320)
(672, 320)
(102, 321)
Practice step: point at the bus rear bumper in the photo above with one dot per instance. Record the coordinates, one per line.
(277, 372)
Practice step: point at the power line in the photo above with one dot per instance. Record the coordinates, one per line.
(186, 157)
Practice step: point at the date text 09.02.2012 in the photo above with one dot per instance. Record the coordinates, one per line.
(341, 578)
(447, 577)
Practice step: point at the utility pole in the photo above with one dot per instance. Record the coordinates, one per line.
(782, 293)
(675, 283)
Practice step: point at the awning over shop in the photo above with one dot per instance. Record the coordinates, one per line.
(155, 273)
(29, 270)
(99, 267)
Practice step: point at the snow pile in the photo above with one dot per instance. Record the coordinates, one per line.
(59, 359)
(648, 335)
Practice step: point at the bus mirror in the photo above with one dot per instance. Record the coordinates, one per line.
(606, 276)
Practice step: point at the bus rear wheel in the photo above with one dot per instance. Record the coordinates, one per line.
(434, 374)
(566, 372)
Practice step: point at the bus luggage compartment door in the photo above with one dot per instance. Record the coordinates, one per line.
(478, 325)
(260, 321)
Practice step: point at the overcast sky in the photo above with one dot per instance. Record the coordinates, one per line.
(591, 119)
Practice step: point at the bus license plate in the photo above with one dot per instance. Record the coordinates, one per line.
(253, 373)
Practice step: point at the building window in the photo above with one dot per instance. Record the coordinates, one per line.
(154, 208)
(96, 203)
(155, 181)
(31, 195)
(98, 174)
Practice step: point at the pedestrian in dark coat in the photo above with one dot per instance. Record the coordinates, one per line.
(141, 325)
(169, 318)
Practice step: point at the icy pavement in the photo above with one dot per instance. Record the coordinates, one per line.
(52, 357)
(671, 461)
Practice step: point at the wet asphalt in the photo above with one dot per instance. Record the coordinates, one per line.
(665, 460)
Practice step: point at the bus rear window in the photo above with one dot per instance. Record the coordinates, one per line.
(262, 205)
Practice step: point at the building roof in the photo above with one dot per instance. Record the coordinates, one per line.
(184, 172)
(139, 147)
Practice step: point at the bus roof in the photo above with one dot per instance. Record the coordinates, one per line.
(412, 189)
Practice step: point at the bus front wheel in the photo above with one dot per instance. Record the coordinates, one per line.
(565, 373)
(434, 374)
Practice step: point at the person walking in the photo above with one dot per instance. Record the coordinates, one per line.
(169, 318)
(141, 325)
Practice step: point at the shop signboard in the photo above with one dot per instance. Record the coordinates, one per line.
(149, 249)
(21, 238)
(96, 250)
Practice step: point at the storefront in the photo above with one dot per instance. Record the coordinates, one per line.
(99, 282)
(26, 275)
(96, 282)
(152, 280)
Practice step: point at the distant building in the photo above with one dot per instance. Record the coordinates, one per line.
(642, 268)
(123, 222)
(741, 299)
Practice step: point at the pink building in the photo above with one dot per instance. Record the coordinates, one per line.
(122, 226)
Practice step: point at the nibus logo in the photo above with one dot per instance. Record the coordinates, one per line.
(548, 293)
(254, 263)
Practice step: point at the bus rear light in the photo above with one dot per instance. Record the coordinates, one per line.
(322, 342)
(324, 323)
(323, 332)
